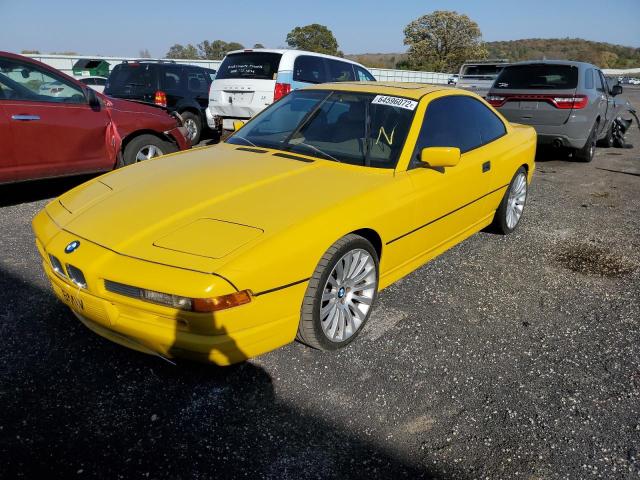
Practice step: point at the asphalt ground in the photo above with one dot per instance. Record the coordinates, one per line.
(506, 357)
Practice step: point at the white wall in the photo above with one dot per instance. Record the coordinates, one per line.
(65, 64)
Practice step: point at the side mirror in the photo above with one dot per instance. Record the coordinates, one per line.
(440, 156)
(237, 125)
(616, 90)
(92, 98)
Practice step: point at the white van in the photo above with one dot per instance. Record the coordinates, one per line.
(249, 80)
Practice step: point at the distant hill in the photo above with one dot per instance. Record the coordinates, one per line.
(378, 60)
(604, 55)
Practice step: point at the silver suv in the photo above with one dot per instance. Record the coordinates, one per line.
(568, 103)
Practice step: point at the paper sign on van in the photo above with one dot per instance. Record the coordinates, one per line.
(395, 102)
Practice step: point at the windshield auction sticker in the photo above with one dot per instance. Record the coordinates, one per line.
(395, 102)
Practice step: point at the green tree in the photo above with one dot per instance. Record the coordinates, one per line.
(217, 49)
(32, 52)
(180, 51)
(314, 38)
(258, 45)
(442, 41)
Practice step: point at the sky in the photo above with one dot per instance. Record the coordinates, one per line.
(123, 28)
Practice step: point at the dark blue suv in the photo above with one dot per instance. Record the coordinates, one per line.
(179, 88)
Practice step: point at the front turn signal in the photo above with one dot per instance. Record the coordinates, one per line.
(205, 305)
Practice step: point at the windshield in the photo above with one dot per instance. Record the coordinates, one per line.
(259, 65)
(356, 128)
(487, 71)
(540, 76)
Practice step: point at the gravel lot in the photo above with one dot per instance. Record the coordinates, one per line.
(506, 357)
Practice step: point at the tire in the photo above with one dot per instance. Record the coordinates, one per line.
(144, 147)
(332, 299)
(586, 153)
(193, 123)
(511, 208)
(607, 141)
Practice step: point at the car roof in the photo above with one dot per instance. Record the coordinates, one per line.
(293, 51)
(554, 62)
(400, 89)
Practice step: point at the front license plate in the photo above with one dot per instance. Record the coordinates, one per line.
(75, 303)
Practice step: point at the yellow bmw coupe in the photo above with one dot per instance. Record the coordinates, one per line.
(289, 228)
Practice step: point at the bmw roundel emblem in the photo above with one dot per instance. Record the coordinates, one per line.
(72, 247)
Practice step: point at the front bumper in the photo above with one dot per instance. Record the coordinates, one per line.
(181, 136)
(225, 337)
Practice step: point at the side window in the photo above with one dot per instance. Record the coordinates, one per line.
(24, 81)
(364, 76)
(490, 126)
(588, 79)
(605, 84)
(340, 71)
(170, 77)
(196, 81)
(599, 82)
(458, 121)
(309, 69)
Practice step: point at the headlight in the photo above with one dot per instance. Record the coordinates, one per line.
(201, 305)
(183, 303)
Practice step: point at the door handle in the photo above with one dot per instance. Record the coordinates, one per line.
(25, 118)
(486, 166)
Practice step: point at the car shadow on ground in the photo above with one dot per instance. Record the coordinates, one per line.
(73, 404)
(31, 191)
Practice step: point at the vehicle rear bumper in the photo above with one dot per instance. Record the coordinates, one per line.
(572, 134)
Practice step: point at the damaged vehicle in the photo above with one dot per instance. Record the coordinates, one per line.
(71, 129)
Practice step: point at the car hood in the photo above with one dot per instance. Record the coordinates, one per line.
(196, 209)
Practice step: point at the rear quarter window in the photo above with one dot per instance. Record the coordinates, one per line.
(256, 65)
(538, 77)
(340, 71)
(364, 76)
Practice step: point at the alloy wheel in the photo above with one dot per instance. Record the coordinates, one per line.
(147, 152)
(516, 200)
(348, 295)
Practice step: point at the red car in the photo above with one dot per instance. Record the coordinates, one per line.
(52, 125)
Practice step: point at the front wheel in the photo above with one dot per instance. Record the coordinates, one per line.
(340, 295)
(607, 141)
(145, 147)
(511, 207)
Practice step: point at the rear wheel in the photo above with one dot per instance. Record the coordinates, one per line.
(193, 124)
(145, 147)
(340, 294)
(586, 153)
(511, 207)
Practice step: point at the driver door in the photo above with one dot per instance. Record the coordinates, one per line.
(450, 203)
(53, 131)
